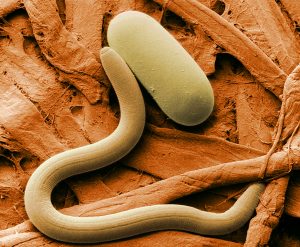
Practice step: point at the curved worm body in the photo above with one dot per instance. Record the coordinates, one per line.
(135, 221)
(87, 158)
(163, 66)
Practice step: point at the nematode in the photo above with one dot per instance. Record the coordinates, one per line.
(107, 151)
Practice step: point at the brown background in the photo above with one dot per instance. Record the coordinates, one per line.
(55, 96)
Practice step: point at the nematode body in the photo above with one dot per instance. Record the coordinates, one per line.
(104, 152)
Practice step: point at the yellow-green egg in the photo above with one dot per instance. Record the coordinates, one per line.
(163, 66)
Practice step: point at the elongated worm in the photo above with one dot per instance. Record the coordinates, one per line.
(104, 152)
(135, 221)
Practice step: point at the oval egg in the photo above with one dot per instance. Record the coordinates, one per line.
(163, 67)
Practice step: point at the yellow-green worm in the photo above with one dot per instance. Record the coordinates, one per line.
(105, 152)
